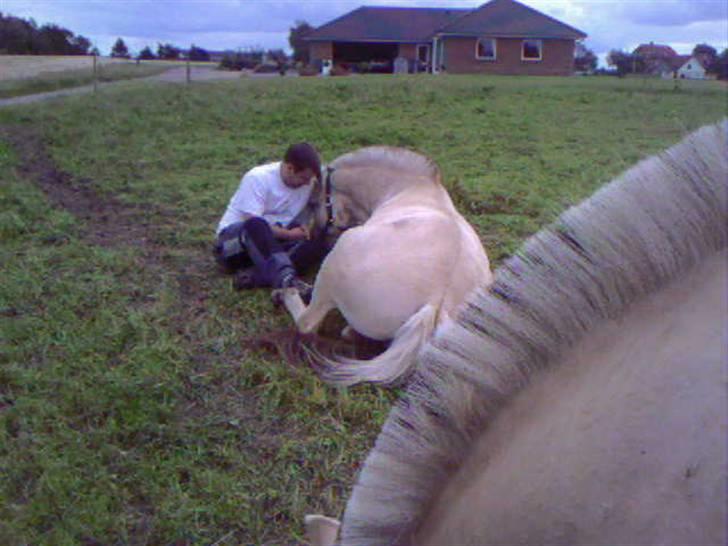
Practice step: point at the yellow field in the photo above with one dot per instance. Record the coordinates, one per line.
(18, 67)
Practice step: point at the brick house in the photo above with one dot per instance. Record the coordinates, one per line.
(500, 37)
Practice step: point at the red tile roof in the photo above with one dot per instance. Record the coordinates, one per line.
(496, 18)
(369, 24)
(655, 50)
(509, 18)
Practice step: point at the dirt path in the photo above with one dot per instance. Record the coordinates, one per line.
(174, 75)
(109, 222)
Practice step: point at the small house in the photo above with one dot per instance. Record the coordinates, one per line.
(691, 69)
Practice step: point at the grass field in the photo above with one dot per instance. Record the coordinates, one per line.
(18, 67)
(132, 407)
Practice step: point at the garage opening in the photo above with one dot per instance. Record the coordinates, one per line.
(378, 56)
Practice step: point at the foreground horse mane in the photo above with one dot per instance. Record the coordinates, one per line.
(386, 157)
(628, 240)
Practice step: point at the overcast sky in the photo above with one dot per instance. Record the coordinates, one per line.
(232, 24)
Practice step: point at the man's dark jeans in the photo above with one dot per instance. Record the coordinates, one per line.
(251, 243)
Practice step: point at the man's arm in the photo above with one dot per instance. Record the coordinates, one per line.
(298, 233)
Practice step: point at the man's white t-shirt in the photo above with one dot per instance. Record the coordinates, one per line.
(263, 193)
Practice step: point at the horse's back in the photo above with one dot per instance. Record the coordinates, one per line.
(622, 443)
(408, 257)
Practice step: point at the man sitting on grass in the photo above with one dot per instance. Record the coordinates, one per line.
(258, 237)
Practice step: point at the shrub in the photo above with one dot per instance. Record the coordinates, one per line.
(241, 59)
(266, 69)
(340, 71)
(308, 71)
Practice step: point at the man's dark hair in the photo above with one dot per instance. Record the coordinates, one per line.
(303, 156)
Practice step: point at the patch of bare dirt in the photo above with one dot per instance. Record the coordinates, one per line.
(109, 221)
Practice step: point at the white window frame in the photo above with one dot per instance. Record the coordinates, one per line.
(495, 50)
(532, 59)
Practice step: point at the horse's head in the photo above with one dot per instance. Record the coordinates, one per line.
(354, 184)
(333, 208)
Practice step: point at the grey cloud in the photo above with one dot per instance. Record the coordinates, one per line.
(663, 12)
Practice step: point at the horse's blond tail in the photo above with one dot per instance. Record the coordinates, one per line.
(392, 365)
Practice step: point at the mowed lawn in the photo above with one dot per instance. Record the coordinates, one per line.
(133, 407)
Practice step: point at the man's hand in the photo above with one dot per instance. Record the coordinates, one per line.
(298, 233)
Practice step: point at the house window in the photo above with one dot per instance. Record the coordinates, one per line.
(485, 49)
(690, 67)
(531, 50)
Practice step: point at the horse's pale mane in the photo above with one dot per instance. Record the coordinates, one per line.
(628, 240)
(396, 159)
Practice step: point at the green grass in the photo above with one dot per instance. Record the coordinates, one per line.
(132, 409)
(53, 81)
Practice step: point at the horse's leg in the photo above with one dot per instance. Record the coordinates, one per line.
(307, 318)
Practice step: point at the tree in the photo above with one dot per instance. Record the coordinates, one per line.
(198, 54)
(240, 59)
(279, 57)
(146, 54)
(584, 59)
(621, 60)
(722, 65)
(21, 37)
(80, 45)
(52, 39)
(708, 56)
(120, 50)
(16, 35)
(168, 52)
(296, 40)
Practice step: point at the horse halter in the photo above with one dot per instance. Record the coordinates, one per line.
(328, 200)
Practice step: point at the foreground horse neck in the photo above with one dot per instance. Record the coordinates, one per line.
(628, 427)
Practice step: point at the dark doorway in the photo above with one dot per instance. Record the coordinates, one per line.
(379, 56)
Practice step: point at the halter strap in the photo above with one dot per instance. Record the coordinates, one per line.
(328, 201)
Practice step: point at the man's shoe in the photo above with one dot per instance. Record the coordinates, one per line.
(244, 279)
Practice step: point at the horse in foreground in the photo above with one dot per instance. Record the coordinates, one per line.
(404, 262)
(581, 398)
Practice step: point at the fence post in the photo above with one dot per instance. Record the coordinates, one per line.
(96, 84)
(188, 70)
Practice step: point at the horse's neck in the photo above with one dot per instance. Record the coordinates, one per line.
(628, 425)
(371, 188)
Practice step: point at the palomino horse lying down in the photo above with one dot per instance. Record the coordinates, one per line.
(405, 261)
(581, 399)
